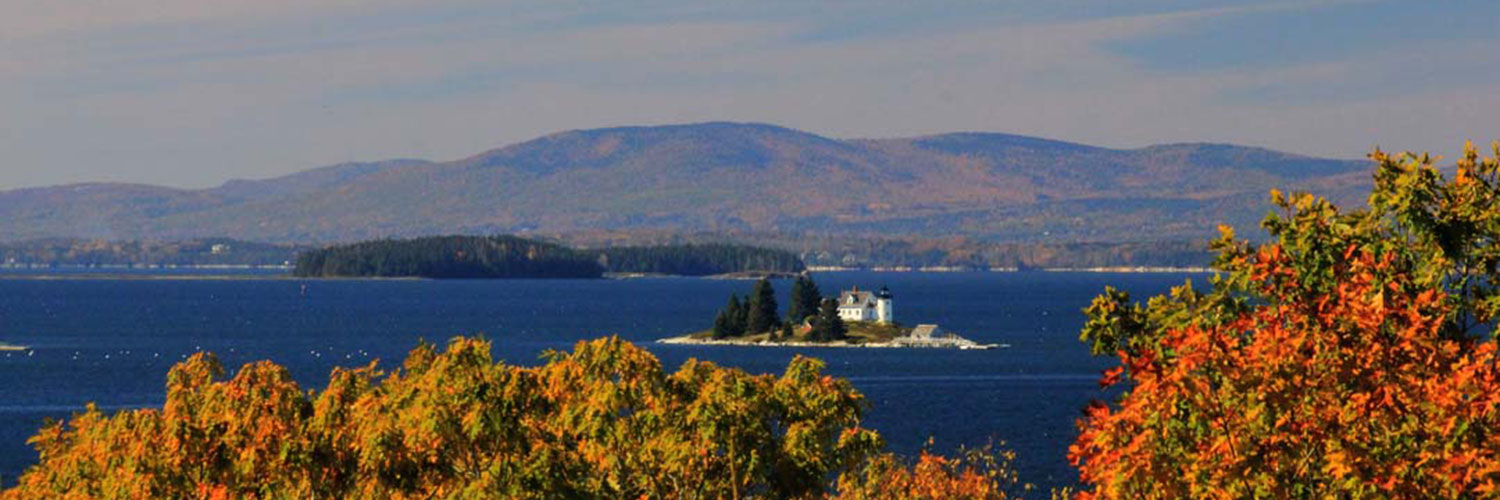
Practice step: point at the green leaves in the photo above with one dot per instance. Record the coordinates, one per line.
(1114, 324)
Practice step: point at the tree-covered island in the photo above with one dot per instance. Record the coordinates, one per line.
(853, 318)
(516, 257)
(448, 257)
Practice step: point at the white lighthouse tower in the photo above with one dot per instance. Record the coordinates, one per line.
(883, 312)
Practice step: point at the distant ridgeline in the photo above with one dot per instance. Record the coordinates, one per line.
(515, 257)
(698, 260)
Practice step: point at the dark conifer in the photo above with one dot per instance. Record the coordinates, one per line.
(760, 314)
(829, 326)
(804, 301)
(736, 316)
(721, 325)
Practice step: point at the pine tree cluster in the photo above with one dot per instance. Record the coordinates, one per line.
(756, 313)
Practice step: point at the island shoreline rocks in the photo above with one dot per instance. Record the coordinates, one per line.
(895, 343)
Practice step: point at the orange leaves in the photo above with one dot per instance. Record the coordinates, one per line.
(213, 491)
(977, 476)
(1344, 365)
(1111, 376)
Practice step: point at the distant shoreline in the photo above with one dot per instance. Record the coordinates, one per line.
(144, 267)
(179, 277)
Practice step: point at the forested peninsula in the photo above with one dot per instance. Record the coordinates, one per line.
(449, 257)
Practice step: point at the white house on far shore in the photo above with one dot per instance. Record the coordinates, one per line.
(855, 305)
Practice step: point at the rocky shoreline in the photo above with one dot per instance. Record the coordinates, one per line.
(896, 343)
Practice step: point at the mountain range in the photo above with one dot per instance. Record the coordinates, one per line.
(719, 178)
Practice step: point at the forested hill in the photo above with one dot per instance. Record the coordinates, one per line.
(722, 178)
(448, 257)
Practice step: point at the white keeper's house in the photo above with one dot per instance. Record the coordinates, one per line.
(856, 305)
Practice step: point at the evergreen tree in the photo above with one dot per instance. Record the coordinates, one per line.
(786, 331)
(836, 328)
(721, 325)
(760, 313)
(828, 326)
(735, 316)
(804, 301)
(794, 312)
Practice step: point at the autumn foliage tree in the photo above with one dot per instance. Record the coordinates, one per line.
(1348, 356)
(974, 474)
(603, 421)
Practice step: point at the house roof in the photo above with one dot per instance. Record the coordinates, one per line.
(856, 299)
(924, 331)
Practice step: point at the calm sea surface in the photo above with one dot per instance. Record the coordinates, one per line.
(112, 341)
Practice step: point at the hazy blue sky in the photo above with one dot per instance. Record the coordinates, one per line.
(194, 92)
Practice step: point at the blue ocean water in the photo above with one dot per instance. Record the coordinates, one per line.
(112, 341)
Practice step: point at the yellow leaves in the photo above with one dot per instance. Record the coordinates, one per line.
(601, 421)
(1303, 201)
(1338, 464)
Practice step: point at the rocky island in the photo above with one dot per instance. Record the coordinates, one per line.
(855, 319)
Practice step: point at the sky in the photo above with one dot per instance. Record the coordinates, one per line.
(191, 93)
